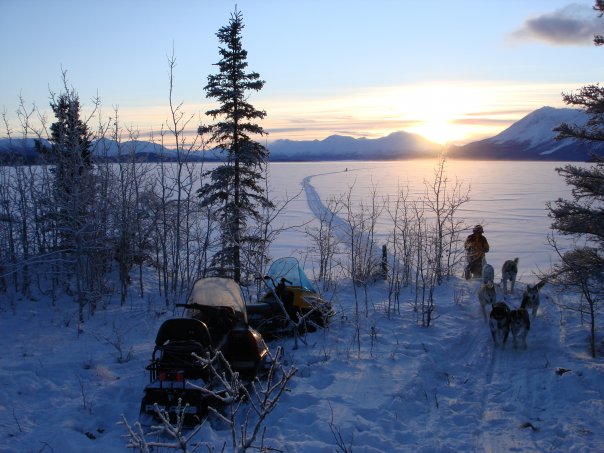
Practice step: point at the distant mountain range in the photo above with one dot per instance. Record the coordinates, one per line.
(395, 146)
(530, 138)
(24, 151)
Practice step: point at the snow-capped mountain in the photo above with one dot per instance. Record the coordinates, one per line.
(397, 145)
(532, 138)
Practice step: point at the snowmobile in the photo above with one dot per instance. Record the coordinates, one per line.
(215, 320)
(290, 297)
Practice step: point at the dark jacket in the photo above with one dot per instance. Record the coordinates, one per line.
(476, 246)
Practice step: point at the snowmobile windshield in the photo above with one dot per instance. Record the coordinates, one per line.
(289, 269)
(218, 292)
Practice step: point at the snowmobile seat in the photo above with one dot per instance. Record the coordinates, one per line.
(183, 329)
(176, 341)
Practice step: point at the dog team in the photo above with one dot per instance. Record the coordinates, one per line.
(502, 319)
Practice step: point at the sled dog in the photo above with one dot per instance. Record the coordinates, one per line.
(530, 297)
(488, 273)
(499, 323)
(519, 325)
(509, 270)
(486, 296)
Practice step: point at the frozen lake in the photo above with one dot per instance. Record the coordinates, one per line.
(509, 198)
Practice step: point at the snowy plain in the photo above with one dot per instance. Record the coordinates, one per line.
(439, 389)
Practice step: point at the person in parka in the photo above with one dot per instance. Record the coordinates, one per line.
(476, 246)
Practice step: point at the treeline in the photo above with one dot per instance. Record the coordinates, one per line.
(78, 227)
(17, 151)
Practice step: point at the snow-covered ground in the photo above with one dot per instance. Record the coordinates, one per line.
(64, 386)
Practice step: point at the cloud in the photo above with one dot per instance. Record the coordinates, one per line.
(482, 121)
(572, 25)
(491, 113)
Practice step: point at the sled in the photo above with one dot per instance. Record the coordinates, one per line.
(289, 299)
(215, 321)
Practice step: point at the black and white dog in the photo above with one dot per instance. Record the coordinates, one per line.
(530, 297)
(499, 323)
(509, 270)
(520, 325)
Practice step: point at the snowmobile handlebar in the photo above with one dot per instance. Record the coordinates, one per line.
(282, 281)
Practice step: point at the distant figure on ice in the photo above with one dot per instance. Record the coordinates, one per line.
(476, 246)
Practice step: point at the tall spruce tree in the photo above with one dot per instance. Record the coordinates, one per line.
(70, 155)
(582, 217)
(70, 146)
(80, 238)
(234, 189)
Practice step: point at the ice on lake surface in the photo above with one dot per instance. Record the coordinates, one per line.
(507, 197)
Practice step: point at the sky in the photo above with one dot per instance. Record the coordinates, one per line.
(454, 72)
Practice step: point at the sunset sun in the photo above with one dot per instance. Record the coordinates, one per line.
(440, 130)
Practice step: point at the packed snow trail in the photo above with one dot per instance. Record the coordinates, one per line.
(507, 387)
(341, 228)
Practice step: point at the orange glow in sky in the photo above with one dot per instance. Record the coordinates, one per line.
(443, 112)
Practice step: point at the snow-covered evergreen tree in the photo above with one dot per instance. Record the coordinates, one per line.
(234, 188)
(70, 154)
(70, 140)
(73, 213)
(582, 267)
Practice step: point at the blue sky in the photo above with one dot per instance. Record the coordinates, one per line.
(451, 71)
